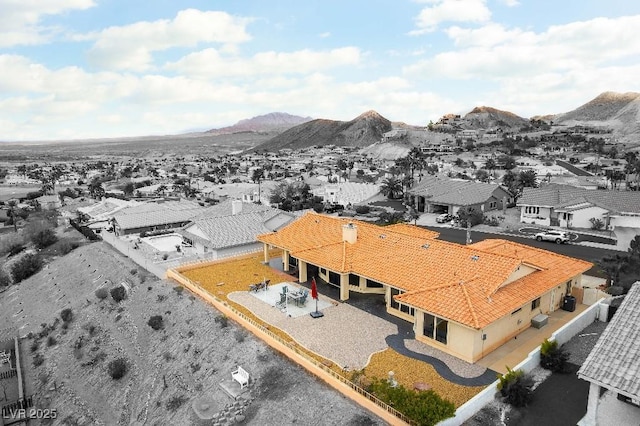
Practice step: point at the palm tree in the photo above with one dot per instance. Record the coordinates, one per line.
(391, 188)
(96, 190)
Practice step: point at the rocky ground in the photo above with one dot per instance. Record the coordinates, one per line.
(168, 370)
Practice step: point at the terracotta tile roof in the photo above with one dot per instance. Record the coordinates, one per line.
(614, 360)
(462, 283)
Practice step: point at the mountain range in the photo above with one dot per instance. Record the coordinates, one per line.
(274, 121)
(619, 112)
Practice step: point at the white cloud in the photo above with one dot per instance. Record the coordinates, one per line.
(210, 63)
(130, 47)
(492, 52)
(450, 11)
(324, 35)
(510, 3)
(20, 19)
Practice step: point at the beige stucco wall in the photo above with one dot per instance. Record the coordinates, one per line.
(581, 218)
(467, 343)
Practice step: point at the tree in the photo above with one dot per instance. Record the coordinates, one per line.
(128, 189)
(527, 179)
(257, 175)
(96, 189)
(490, 165)
(391, 188)
(469, 215)
(482, 175)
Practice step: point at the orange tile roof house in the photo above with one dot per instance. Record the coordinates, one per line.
(465, 300)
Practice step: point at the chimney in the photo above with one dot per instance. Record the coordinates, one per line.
(349, 233)
(236, 207)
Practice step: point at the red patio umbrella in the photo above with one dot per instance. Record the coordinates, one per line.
(314, 295)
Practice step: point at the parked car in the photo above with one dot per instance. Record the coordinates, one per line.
(444, 218)
(558, 237)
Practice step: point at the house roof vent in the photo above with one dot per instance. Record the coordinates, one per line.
(426, 246)
(475, 257)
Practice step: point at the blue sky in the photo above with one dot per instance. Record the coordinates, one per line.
(72, 69)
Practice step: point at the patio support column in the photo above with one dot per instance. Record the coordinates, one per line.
(302, 273)
(591, 418)
(418, 325)
(344, 286)
(265, 252)
(285, 260)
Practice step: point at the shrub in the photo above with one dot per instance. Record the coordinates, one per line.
(178, 289)
(165, 256)
(616, 290)
(28, 265)
(133, 271)
(38, 359)
(67, 246)
(596, 224)
(35, 346)
(15, 249)
(424, 408)
(51, 341)
(66, 315)
(118, 294)
(176, 402)
(515, 387)
(44, 238)
(222, 320)
(102, 293)
(362, 209)
(5, 279)
(156, 322)
(117, 368)
(239, 335)
(553, 358)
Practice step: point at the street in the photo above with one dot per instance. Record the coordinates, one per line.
(590, 254)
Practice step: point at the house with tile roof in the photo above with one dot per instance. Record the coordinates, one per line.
(441, 195)
(614, 365)
(100, 213)
(570, 207)
(231, 228)
(466, 300)
(153, 216)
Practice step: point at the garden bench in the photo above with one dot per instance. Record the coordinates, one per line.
(241, 376)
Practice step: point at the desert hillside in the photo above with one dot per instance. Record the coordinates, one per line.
(363, 130)
(490, 118)
(169, 370)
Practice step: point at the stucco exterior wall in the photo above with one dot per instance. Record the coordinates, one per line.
(580, 218)
(542, 217)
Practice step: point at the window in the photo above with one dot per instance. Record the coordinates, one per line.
(334, 278)
(354, 279)
(293, 261)
(535, 304)
(323, 271)
(373, 284)
(400, 306)
(435, 328)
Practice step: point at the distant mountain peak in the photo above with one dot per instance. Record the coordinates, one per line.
(364, 130)
(371, 114)
(273, 121)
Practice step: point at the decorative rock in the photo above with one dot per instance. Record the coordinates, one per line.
(240, 418)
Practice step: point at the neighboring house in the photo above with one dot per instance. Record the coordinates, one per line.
(439, 195)
(346, 192)
(49, 202)
(614, 365)
(464, 300)
(571, 207)
(154, 216)
(98, 215)
(231, 228)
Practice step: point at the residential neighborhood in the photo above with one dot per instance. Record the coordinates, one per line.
(415, 263)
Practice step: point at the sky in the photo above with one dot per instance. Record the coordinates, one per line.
(77, 69)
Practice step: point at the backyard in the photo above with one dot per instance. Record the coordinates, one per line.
(355, 352)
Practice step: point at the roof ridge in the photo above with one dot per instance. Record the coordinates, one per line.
(476, 323)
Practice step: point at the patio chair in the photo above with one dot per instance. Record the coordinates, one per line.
(282, 302)
(303, 298)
